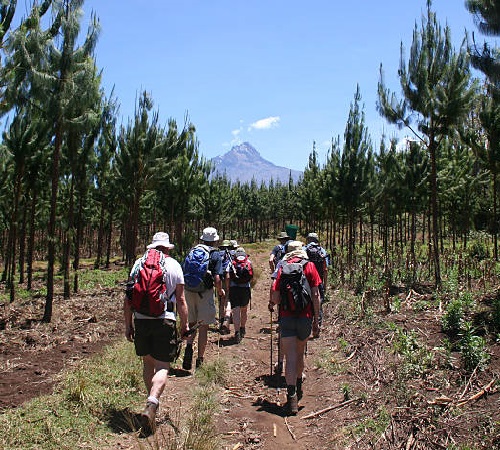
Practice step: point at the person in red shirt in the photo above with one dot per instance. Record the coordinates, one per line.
(296, 329)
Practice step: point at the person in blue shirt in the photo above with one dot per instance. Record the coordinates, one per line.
(201, 305)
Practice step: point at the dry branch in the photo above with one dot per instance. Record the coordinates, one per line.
(289, 430)
(329, 408)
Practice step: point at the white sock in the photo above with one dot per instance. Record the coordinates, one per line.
(153, 400)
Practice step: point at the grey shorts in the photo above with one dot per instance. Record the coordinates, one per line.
(201, 306)
(299, 327)
(156, 337)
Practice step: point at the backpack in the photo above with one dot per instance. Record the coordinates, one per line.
(316, 255)
(280, 251)
(242, 270)
(197, 275)
(226, 259)
(295, 292)
(148, 294)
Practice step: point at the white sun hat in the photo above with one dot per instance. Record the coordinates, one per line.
(161, 239)
(209, 235)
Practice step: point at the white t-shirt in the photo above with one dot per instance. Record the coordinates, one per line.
(172, 275)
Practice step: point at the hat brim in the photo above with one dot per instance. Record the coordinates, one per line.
(161, 244)
(209, 238)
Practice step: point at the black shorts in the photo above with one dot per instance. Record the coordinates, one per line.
(157, 338)
(239, 296)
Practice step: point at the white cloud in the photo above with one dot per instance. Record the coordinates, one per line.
(235, 133)
(265, 124)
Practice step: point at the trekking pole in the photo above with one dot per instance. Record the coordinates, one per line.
(271, 325)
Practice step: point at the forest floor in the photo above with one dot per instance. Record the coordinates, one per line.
(359, 393)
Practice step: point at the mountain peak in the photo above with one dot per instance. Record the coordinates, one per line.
(245, 149)
(244, 163)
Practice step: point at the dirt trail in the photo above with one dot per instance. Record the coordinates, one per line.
(32, 355)
(251, 416)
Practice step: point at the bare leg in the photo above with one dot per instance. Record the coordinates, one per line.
(243, 315)
(237, 318)
(202, 340)
(294, 353)
(155, 375)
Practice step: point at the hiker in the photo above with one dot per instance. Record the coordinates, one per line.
(275, 258)
(226, 251)
(155, 336)
(279, 250)
(319, 257)
(239, 276)
(202, 272)
(295, 327)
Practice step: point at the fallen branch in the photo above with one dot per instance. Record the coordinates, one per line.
(322, 411)
(348, 358)
(478, 395)
(289, 430)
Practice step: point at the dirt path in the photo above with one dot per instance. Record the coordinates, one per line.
(32, 355)
(251, 416)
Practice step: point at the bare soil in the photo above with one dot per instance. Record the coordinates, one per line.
(358, 393)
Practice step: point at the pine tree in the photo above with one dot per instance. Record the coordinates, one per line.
(436, 97)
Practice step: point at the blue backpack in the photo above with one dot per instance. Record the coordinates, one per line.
(197, 275)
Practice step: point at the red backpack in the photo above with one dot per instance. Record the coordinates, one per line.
(149, 292)
(242, 269)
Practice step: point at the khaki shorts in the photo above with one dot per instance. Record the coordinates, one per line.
(201, 306)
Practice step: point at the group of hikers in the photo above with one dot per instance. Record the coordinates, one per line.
(160, 289)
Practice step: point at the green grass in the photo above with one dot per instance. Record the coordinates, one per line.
(82, 408)
(93, 404)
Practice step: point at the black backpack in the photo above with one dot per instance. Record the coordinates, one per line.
(295, 292)
(316, 256)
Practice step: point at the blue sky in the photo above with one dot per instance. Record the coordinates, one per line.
(278, 74)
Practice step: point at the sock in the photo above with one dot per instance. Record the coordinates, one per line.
(299, 384)
(153, 400)
(291, 390)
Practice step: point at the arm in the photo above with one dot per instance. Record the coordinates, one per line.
(182, 308)
(218, 286)
(129, 326)
(316, 306)
(274, 297)
(325, 273)
(271, 262)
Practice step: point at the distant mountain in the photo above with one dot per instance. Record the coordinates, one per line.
(243, 162)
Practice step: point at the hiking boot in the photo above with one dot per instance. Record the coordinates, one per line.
(242, 332)
(292, 405)
(224, 326)
(187, 362)
(148, 416)
(199, 362)
(278, 368)
(237, 337)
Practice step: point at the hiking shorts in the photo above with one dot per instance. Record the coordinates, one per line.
(201, 306)
(239, 296)
(299, 327)
(156, 337)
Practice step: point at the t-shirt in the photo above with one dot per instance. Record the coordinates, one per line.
(314, 281)
(172, 276)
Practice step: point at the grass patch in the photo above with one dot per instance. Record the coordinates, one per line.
(93, 403)
(81, 409)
